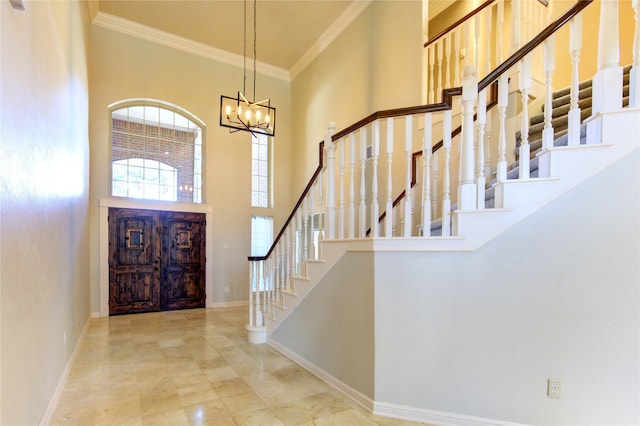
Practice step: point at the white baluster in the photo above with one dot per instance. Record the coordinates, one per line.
(439, 56)
(476, 40)
(312, 215)
(282, 271)
(467, 186)
(634, 76)
(375, 206)
(388, 223)
(259, 282)
(549, 68)
(503, 96)
(607, 83)
(341, 202)
(499, 30)
(456, 62)
(525, 86)
(279, 278)
(426, 176)
(305, 231)
(290, 261)
(515, 26)
(447, 53)
(407, 192)
(446, 175)
(321, 224)
(352, 196)
(299, 242)
(482, 121)
(575, 45)
(252, 284)
(331, 177)
(431, 49)
(363, 188)
(434, 184)
(487, 47)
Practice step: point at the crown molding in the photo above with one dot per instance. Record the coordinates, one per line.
(340, 24)
(125, 26)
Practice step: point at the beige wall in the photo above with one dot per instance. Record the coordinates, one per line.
(125, 67)
(374, 64)
(44, 163)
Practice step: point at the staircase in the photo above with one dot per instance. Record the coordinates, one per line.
(356, 187)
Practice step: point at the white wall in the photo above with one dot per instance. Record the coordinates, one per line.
(333, 328)
(555, 297)
(375, 64)
(125, 67)
(44, 163)
(477, 334)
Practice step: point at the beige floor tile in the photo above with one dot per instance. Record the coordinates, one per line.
(212, 413)
(194, 367)
(166, 418)
(262, 417)
(243, 403)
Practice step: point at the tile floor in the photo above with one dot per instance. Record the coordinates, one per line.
(194, 367)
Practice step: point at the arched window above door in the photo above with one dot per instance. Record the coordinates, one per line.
(156, 152)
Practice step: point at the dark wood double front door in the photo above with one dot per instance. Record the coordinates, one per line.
(156, 261)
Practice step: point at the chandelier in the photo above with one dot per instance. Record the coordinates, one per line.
(239, 113)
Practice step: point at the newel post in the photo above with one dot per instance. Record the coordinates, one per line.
(331, 187)
(607, 83)
(467, 187)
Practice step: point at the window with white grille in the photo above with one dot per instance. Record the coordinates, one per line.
(260, 171)
(156, 153)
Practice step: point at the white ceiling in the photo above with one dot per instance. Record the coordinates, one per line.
(287, 30)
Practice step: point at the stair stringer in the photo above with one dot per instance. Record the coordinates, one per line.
(515, 200)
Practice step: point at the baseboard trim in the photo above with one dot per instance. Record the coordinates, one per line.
(355, 395)
(229, 304)
(436, 418)
(53, 402)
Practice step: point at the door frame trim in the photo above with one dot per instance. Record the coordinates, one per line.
(125, 203)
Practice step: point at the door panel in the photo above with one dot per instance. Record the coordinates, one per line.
(156, 261)
(134, 254)
(183, 260)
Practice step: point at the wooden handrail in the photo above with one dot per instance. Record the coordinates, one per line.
(493, 101)
(446, 104)
(458, 22)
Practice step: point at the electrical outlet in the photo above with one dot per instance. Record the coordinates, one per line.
(64, 338)
(226, 289)
(554, 388)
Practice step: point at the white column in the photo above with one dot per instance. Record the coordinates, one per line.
(503, 96)
(388, 223)
(575, 45)
(426, 176)
(446, 175)
(431, 48)
(467, 186)
(480, 145)
(375, 206)
(352, 184)
(525, 86)
(341, 200)
(407, 191)
(434, 184)
(607, 83)
(634, 76)
(331, 177)
(549, 67)
(363, 188)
